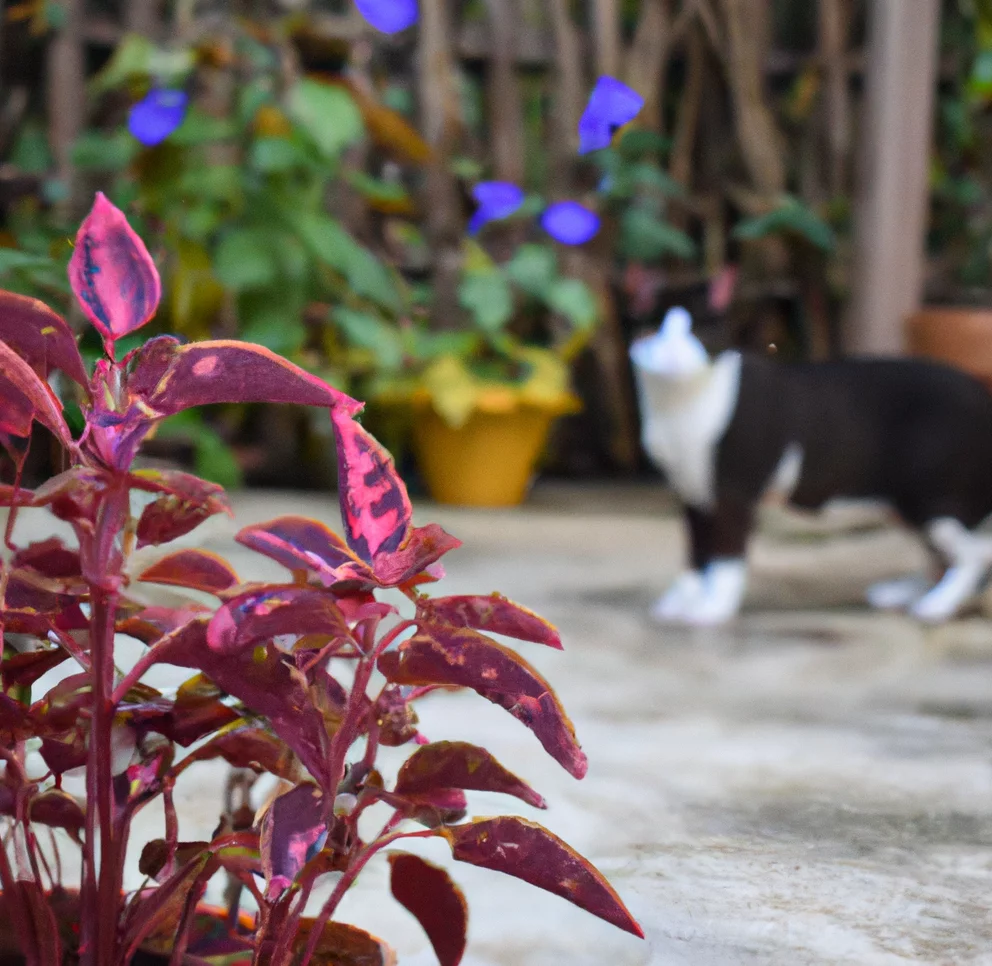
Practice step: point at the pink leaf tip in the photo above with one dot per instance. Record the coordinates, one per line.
(112, 274)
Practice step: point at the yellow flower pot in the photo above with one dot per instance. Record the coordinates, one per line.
(489, 461)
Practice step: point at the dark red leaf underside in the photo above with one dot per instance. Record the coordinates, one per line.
(458, 764)
(466, 658)
(186, 501)
(341, 944)
(248, 747)
(491, 613)
(530, 852)
(193, 569)
(428, 894)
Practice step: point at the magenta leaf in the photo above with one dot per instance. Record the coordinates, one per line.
(193, 569)
(375, 507)
(22, 670)
(40, 337)
(248, 747)
(458, 764)
(530, 852)
(112, 274)
(265, 680)
(465, 658)
(258, 616)
(492, 613)
(197, 711)
(440, 806)
(185, 503)
(168, 377)
(293, 830)
(423, 547)
(50, 558)
(24, 397)
(395, 717)
(300, 543)
(427, 892)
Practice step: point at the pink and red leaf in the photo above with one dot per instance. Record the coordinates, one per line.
(293, 829)
(169, 377)
(258, 616)
(466, 658)
(112, 274)
(40, 337)
(25, 397)
(530, 852)
(458, 764)
(491, 613)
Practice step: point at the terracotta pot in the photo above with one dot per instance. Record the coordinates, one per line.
(961, 337)
(487, 462)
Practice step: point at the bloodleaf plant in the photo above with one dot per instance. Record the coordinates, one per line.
(282, 672)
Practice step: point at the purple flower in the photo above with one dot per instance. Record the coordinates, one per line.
(570, 223)
(497, 199)
(611, 105)
(389, 16)
(157, 115)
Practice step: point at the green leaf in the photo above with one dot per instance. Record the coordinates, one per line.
(96, 151)
(251, 97)
(271, 319)
(333, 246)
(272, 154)
(575, 300)
(635, 143)
(488, 297)
(652, 176)
(646, 238)
(328, 114)
(790, 216)
(219, 182)
(12, 259)
(532, 268)
(425, 345)
(137, 57)
(375, 189)
(200, 128)
(30, 153)
(213, 458)
(365, 331)
(245, 259)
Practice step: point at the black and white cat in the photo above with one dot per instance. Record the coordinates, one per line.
(728, 431)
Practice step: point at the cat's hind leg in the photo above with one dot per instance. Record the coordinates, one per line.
(969, 559)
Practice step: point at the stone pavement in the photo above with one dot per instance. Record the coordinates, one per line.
(810, 786)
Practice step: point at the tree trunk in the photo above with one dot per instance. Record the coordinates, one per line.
(66, 83)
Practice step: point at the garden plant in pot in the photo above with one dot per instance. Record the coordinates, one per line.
(481, 399)
(282, 673)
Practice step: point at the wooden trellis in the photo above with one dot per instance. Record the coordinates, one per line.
(706, 68)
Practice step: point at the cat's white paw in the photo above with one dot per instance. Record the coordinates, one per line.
(896, 594)
(679, 599)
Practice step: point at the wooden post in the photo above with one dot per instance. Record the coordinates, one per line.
(66, 91)
(891, 216)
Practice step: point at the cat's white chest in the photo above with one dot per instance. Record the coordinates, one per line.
(683, 422)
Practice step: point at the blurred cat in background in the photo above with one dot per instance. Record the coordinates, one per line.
(730, 430)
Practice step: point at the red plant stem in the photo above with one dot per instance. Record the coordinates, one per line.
(102, 887)
(19, 913)
(383, 839)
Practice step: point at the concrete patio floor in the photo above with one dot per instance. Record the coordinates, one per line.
(810, 786)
